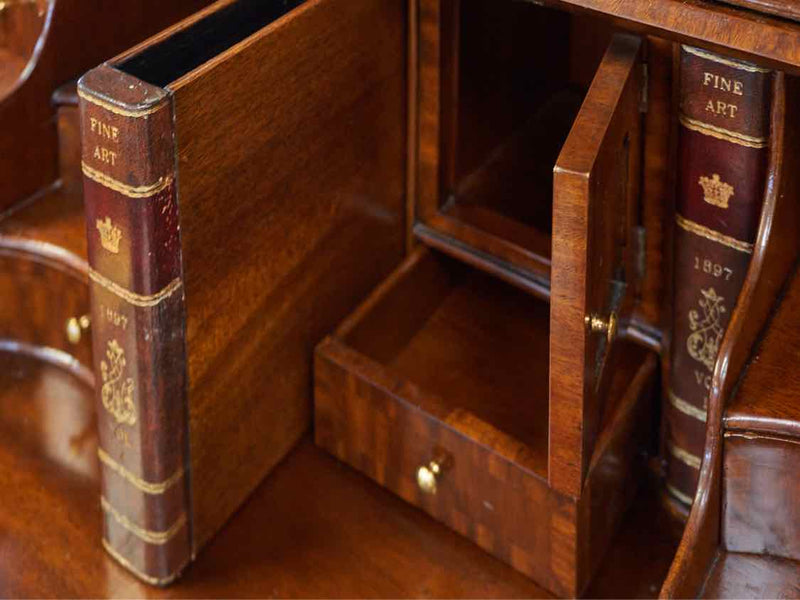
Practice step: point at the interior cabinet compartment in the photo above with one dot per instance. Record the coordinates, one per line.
(500, 86)
(524, 417)
(437, 387)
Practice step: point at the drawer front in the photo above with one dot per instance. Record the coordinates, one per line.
(370, 419)
(41, 296)
(594, 264)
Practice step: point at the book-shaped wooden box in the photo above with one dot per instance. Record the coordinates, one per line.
(244, 183)
(455, 384)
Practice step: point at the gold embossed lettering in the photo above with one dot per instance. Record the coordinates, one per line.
(102, 129)
(703, 379)
(122, 436)
(114, 317)
(105, 155)
(732, 86)
(721, 108)
(715, 269)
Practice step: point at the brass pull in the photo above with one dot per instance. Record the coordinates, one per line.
(428, 475)
(597, 324)
(75, 328)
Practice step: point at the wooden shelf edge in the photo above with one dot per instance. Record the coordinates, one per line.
(745, 34)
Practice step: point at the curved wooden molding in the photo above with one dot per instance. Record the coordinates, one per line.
(22, 22)
(741, 33)
(774, 258)
(29, 144)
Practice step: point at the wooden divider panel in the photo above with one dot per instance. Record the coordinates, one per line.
(593, 266)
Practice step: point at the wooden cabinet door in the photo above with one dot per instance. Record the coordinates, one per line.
(595, 206)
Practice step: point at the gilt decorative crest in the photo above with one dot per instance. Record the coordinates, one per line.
(110, 235)
(716, 191)
(703, 342)
(117, 390)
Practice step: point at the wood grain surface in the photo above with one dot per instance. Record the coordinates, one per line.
(712, 25)
(434, 364)
(314, 528)
(291, 165)
(781, 8)
(751, 576)
(761, 495)
(766, 401)
(595, 199)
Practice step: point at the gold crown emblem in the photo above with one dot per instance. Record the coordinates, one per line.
(110, 235)
(716, 191)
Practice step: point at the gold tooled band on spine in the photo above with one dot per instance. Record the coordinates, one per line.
(686, 408)
(132, 298)
(147, 487)
(144, 191)
(679, 494)
(118, 110)
(685, 456)
(728, 62)
(714, 236)
(159, 581)
(158, 538)
(721, 133)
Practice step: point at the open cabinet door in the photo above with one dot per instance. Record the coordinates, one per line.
(593, 285)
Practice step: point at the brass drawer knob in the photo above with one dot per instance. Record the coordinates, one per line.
(75, 328)
(598, 324)
(428, 475)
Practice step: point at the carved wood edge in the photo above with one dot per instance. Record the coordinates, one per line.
(47, 254)
(52, 356)
(32, 61)
(686, 21)
(774, 257)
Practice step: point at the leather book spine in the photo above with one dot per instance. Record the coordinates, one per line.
(128, 164)
(722, 162)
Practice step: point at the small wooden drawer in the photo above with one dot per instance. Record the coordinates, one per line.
(43, 294)
(445, 364)
(524, 412)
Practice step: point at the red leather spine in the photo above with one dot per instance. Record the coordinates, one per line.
(128, 164)
(721, 176)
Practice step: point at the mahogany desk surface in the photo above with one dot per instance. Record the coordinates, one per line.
(315, 528)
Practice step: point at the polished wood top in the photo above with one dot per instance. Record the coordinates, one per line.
(733, 31)
(314, 528)
(767, 397)
(737, 575)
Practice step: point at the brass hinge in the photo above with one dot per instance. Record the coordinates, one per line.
(643, 101)
(640, 237)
